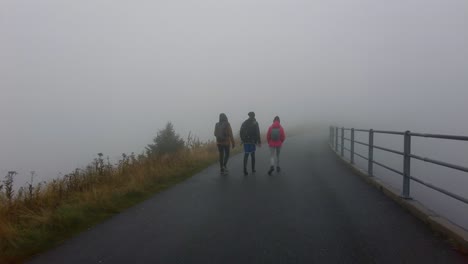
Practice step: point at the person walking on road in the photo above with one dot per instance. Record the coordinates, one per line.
(250, 136)
(224, 139)
(275, 138)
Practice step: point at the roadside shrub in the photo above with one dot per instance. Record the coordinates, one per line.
(39, 214)
(166, 142)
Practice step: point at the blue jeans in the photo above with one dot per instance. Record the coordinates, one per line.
(249, 148)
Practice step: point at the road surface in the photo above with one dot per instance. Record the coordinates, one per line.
(315, 211)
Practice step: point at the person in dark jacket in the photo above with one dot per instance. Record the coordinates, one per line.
(224, 139)
(250, 136)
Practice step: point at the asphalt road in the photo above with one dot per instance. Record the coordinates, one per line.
(315, 211)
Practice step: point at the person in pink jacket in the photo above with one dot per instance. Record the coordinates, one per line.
(275, 138)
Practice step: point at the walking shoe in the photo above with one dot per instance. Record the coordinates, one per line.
(254, 171)
(270, 171)
(222, 171)
(278, 169)
(226, 170)
(245, 172)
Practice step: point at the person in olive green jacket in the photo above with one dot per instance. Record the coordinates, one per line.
(224, 139)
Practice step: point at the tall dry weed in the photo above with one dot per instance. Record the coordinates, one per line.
(51, 204)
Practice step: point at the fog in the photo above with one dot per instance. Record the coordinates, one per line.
(82, 77)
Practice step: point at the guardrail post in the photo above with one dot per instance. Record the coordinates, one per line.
(352, 146)
(407, 166)
(342, 141)
(336, 139)
(370, 167)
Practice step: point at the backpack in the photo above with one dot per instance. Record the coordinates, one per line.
(275, 134)
(221, 131)
(248, 131)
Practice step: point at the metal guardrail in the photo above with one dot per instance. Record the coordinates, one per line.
(406, 153)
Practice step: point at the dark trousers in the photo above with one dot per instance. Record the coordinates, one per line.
(223, 155)
(246, 158)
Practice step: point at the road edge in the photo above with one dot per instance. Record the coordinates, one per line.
(455, 234)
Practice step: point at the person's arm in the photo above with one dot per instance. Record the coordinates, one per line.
(269, 135)
(258, 135)
(241, 132)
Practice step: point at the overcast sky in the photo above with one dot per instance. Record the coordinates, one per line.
(89, 76)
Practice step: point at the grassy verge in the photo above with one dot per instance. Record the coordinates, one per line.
(34, 221)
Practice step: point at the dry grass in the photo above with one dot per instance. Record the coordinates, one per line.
(36, 218)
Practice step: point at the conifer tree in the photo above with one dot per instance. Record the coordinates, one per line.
(166, 141)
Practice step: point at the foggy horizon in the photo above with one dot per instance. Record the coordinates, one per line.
(79, 78)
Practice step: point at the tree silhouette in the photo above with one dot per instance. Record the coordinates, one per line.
(167, 141)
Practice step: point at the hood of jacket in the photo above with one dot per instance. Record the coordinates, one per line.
(223, 118)
(276, 124)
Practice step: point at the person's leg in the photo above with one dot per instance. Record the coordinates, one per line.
(221, 157)
(272, 160)
(253, 161)
(246, 158)
(278, 151)
(272, 156)
(226, 155)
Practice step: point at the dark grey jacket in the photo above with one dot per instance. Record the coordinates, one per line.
(250, 132)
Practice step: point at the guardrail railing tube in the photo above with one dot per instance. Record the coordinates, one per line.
(342, 141)
(336, 139)
(406, 154)
(406, 165)
(370, 166)
(352, 146)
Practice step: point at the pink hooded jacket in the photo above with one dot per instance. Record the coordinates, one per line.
(278, 143)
